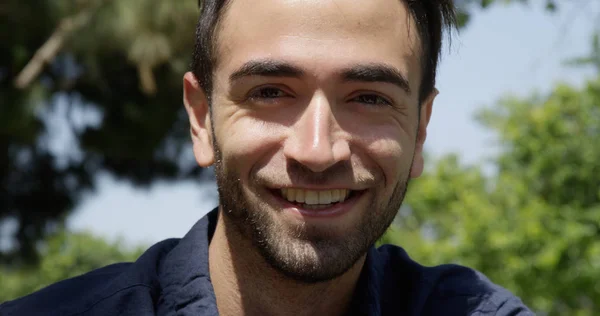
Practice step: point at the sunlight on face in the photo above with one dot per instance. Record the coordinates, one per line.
(315, 117)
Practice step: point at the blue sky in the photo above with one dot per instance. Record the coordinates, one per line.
(506, 50)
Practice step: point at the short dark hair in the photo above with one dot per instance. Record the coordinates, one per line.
(432, 18)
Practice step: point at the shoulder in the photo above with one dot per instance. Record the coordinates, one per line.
(450, 289)
(102, 291)
(463, 289)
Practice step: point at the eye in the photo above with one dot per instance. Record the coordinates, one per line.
(371, 99)
(267, 93)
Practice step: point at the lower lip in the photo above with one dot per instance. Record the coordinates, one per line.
(335, 210)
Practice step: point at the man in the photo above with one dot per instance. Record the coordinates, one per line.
(314, 113)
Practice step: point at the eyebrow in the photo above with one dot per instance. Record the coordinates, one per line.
(357, 73)
(376, 73)
(268, 68)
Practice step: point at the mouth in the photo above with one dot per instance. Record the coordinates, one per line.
(318, 202)
(315, 199)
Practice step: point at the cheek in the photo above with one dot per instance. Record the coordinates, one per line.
(392, 152)
(247, 141)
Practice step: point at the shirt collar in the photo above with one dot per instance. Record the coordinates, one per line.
(187, 289)
(184, 273)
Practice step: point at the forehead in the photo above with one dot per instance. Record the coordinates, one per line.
(320, 35)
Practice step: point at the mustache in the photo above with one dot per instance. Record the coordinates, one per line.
(342, 173)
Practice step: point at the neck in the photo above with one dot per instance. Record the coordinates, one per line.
(245, 284)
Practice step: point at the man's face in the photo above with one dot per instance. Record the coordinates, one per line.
(316, 126)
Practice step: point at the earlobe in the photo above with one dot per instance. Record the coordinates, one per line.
(417, 167)
(197, 107)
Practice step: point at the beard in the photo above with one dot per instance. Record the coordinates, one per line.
(304, 253)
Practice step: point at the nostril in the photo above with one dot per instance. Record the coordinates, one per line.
(316, 159)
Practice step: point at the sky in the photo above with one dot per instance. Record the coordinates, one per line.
(506, 50)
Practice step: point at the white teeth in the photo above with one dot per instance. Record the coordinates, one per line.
(335, 195)
(325, 197)
(291, 195)
(313, 197)
(299, 196)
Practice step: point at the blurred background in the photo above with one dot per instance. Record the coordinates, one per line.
(96, 165)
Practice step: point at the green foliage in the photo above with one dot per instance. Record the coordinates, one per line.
(116, 67)
(106, 79)
(65, 255)
(534, 225)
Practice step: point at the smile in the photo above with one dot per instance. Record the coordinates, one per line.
(315, 199)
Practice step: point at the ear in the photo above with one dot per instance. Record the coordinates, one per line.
(196, 105)
(426, 109)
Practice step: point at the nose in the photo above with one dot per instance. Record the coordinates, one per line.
(316, 141)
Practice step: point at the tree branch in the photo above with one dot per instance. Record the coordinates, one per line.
(147, 81)
(51, 47)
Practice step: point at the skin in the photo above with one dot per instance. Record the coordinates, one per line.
(306, 127)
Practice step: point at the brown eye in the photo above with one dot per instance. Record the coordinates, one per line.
(268, 93)
(371, 99)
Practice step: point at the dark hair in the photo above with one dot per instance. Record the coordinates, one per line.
(432, 18)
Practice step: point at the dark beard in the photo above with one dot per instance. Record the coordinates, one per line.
(304, 254)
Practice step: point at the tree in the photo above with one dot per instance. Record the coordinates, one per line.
(108, 74)
(534, 224)
(65, 255)
(105, 77)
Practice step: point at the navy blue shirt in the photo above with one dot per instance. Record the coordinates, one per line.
(172, 278)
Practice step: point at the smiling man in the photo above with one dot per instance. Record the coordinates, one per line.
(314, 114)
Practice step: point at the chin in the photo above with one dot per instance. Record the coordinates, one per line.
(314, 257)
(307, 249)
(307, 244)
